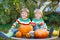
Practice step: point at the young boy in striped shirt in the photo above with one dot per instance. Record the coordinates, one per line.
(22, 20)
(39, 23)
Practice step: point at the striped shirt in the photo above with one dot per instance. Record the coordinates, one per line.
(20, 21)
(39, 21)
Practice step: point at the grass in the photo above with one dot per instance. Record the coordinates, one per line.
(5, 27)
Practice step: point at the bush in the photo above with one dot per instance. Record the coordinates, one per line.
(9, 11)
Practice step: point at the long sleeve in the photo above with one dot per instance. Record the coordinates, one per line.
(40, 23)
(44, 26)
(18, 22)
(15, 24)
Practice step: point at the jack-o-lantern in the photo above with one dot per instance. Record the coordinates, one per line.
(25, 29)
(41, 33)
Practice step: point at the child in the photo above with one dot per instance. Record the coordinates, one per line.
(38, 22)
(23, 20)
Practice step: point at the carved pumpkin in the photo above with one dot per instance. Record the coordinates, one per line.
(25, 29)
(41, 33)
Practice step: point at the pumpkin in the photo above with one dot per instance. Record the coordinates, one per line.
(28, 35)
(25, 29)
(55, 33)
(18, 34)
(41, 33)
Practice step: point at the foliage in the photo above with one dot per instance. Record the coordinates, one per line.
(10, 10)
(52, 18)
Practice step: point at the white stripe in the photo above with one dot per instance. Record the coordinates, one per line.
(18, 20)
(14, 24)
(25, 22)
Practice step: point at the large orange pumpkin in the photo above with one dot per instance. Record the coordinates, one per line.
(25, 29)
(41, 33)
(18, 34)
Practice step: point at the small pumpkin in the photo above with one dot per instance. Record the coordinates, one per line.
(55, 33)
(25, 29)
(28, 35)
(18, 34)
(41, 33)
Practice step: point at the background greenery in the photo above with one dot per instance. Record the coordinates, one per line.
(9, 10)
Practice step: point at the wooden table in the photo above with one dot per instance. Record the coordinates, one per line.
(52, 38)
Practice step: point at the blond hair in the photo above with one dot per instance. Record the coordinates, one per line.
(38, 10)
(25, 10)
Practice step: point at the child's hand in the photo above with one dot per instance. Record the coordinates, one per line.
(10, 30)
(33, 24)
(41, 23)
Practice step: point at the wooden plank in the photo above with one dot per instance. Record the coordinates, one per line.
(52, 38)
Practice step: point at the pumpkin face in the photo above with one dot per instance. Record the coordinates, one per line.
(41, 33)
(18, 34)
(25, 29)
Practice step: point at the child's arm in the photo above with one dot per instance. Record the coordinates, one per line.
(15, 24)
(43, 24)
(33, 23)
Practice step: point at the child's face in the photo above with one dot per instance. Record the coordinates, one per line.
(24, 15)
(38, 15)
